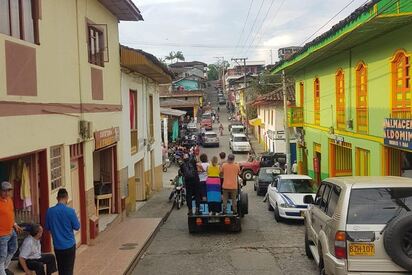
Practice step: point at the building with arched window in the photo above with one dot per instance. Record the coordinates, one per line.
(353, 94)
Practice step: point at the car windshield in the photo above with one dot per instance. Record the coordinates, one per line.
(295, 186)
(240, 139)
(378, 205)
(267, 174)
(206, 116)
(211, 135)
(237, 130)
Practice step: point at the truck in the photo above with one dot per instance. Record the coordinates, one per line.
(249, 169)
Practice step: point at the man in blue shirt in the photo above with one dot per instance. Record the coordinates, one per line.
(61, 220)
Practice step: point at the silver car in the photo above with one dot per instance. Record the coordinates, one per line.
(210, 139)
(360, 225)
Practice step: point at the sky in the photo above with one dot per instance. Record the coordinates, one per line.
(206, 29)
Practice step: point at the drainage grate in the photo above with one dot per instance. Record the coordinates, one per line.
(128, 246)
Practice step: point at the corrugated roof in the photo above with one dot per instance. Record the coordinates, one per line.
(275, 97)
(187, 64)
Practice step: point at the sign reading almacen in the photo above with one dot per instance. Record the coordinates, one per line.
(398, 133)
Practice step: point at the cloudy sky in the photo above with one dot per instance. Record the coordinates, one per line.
(205, 29)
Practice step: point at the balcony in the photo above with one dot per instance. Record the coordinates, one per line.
(133, 141)
(295, 116)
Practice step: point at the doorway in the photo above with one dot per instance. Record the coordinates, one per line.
(317, 161)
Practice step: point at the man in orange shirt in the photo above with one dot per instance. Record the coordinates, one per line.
(8, 228)
(230, 172)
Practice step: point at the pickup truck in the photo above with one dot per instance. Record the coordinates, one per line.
(206, 121)
(249, 169)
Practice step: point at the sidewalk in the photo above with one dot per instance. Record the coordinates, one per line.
(118, 249)
(256, 146)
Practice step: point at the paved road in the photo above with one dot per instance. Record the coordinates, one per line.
(263, 247)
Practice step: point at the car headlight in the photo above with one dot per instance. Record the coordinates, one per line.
(287, 205)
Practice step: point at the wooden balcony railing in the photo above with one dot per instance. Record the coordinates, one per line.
(295, 116)
(402, 113)
(134, 142)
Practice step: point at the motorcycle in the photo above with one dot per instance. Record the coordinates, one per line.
(178, 194)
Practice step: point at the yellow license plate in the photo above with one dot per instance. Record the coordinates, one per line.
(361, 249)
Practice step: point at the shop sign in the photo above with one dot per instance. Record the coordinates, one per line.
(280, 135)
(398, 132)
(106, 137)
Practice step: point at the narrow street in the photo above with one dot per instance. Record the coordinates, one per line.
(263, 247)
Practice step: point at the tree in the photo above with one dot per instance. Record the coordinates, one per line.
(179, 56)
(170, 57)
(212, 72)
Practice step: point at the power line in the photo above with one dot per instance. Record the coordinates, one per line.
(274, 17)
(254, 23)
(244, 25)
(209, 46)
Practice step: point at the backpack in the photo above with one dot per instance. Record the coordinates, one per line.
(188, 170)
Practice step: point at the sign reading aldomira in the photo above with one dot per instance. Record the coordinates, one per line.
(398, 132)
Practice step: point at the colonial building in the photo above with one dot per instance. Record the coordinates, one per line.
(354, 94)
(60, 107)
(140, 168)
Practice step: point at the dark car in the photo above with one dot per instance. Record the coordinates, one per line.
(222, 101)
(265, 177)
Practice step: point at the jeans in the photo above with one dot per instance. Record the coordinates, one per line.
(8, 246)
(65, 260)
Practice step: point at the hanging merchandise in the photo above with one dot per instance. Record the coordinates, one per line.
(25, 191)
(15, 179)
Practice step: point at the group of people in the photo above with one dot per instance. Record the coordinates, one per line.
(211, 182)
(61, 221)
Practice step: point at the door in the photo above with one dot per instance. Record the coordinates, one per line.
(74, 171)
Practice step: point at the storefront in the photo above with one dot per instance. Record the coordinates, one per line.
(28, 175)
(106, 189)
(397, 151)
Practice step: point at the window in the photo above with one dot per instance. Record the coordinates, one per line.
(361, 98)
(401, 90)
(316, 100)
(301, 94)
(340, 100)
(96, 46)
(19, 19)
(271, 117)
(319, 194)
(133, 120)
(56, 167)
(340, 158)
(151, 119)
(378, 205)
(325, 198)
(333, 200)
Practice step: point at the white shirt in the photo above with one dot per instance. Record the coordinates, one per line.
(203, 175)
(30, 249)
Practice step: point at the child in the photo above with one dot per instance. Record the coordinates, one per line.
(213, 187)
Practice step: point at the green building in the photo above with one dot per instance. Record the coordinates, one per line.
(353, 95)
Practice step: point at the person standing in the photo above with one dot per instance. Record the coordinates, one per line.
(230, 171)
(191, 181)
(61, 220)
(8, 228)
(213, 187)
(202, 170)
(31, 258)
(294, 167)
(222, 160)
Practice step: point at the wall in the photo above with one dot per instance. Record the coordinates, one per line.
(189, 85)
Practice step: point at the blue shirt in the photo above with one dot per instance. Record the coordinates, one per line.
(61, 221)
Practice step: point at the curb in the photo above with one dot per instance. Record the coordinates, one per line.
(148, 242)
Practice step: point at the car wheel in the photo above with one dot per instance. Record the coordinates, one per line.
(307, 246)
(278, 218)
(244, 203)
(247, 175)
(270, 208)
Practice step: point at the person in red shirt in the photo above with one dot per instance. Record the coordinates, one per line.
(8, 228)
(230, 172)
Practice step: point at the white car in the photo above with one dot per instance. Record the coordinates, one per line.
(210, 139)
(239, 143)
(285, 196)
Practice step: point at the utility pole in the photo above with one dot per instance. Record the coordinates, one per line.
(285, 113)
(237, 60)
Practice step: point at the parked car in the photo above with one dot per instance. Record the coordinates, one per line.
(361, 225)
(285, 196)
(206, 121)
(250, 168)
(239, 143)
(237, 129)
(210, 139)
(221, 100)
(265, 177)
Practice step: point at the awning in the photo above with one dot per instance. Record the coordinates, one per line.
(172, 112)
(255, 122)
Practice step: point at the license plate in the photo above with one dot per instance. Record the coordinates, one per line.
(214, 220)
(361, 249)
